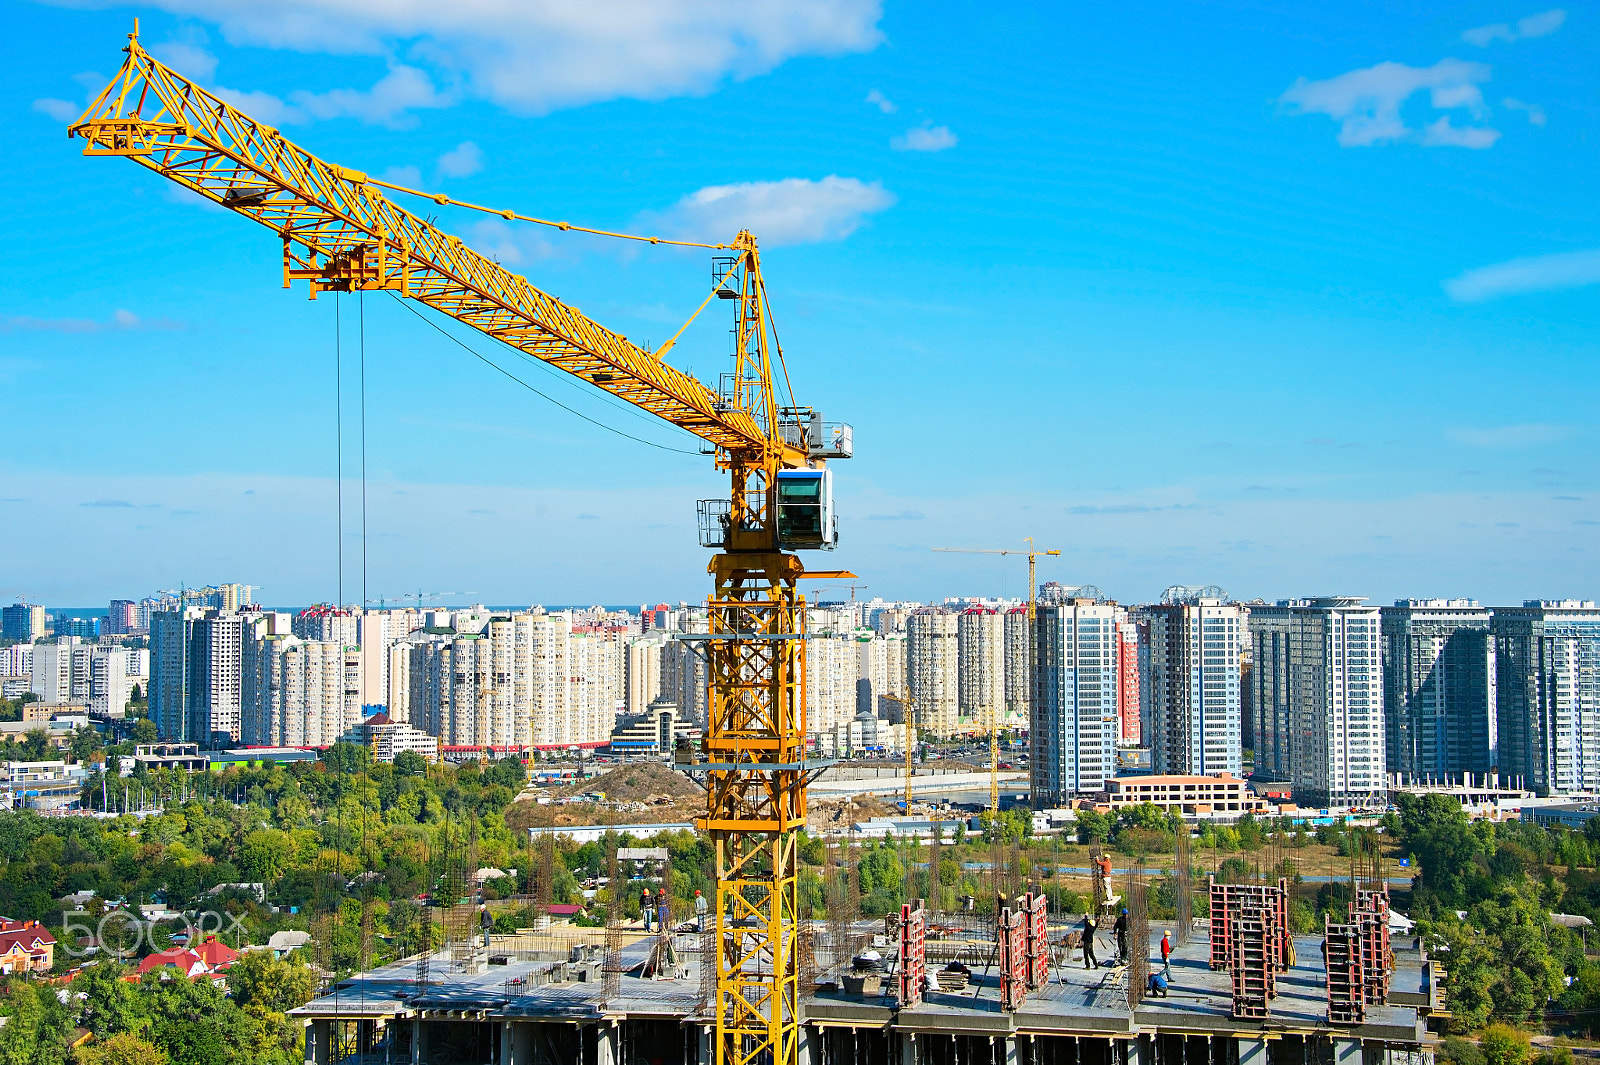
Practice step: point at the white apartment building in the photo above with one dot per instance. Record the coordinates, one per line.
(1074, 731)
(299, 693)
(1194, 680)
(112, 675)
(326, 624)
(643, 675)
(595, 657)
(1547, 695)
(833, 665)
(16, 660)
(981, 669)
(882, 671)
(933, 669)
(1318, 663)
(61, 670)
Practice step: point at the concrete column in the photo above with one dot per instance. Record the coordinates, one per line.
(606, 1051)
(1134, 1054)
(1252, 1051)
(908, 1048)
(1012, 1053)
(1346, 1052)
(309, 1040)
(419, 1041)
(506, 1055)
(705, 1053)
(321, 1043)
(806, 1049)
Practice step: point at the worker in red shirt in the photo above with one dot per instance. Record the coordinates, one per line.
(1166, 953)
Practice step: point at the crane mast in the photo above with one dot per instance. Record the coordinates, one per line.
(341, 233)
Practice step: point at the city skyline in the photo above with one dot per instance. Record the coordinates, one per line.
(1264, 335)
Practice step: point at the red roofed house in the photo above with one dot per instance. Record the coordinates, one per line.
(25, 946)
(216, 954)
(185, 961)
(209, 958)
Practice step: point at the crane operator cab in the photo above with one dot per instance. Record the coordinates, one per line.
(805, 510)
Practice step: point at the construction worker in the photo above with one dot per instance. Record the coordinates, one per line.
(645, 907)
(1087, 929)
(1120, 930)
(1166, 953)
(1158, 984)
(699, 912)
(663, 911)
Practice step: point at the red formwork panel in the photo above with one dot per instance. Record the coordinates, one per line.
(1251, 934)
(1369, 915)
(913, 967)
(1037, 935)
(1013, 958)
(1346, 998)
(1226, 901)
(1220, 908)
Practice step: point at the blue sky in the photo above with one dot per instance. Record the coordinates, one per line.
(1290, 298)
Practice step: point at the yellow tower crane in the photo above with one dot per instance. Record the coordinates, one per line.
(340, 233)
(994, 725)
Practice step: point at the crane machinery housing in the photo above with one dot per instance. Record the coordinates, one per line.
(340, 233)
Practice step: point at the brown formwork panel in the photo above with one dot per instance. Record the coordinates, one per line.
(1251, 965)
(1346, 999)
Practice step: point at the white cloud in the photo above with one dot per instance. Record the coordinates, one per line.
(1538, 273)
(1545, 22)
(1366, 103)
(261, 106)
(881, 102)
(1511, 435)
(509, 246)
(121, 319)
(407, 175)
(1442, 134)
(386, 103)
(60, 110)
(924, 138)
(537, 55)
(464, 160)
(791, 211)
(1536, 115)
(190, 60)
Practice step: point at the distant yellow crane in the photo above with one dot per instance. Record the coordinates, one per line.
(994, 725)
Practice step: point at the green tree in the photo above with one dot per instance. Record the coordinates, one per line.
(124, 1048)
(111, 1005)
(410, 764)
(277, 986)
(1503, 1045)
(36, 1024)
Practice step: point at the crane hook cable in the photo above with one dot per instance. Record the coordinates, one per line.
(496, 366)
(512, 216)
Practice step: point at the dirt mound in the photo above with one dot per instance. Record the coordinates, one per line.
(833, 815)
(637, 782)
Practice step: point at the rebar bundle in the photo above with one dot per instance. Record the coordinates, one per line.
(1138, 960)
(1184, 902)
(612, 965)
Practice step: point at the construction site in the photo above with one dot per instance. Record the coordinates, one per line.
(920, 988)
(751, 979)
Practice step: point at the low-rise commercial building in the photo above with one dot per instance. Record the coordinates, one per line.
(1223, 795)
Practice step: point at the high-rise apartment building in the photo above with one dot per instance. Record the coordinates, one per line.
(643, 671)
(216, 691)
(297, 692)
(881, 678)
(1547, 672)
(1269, 690)
(1438, 688)
(171, 652)
(981, 668)
(21, 621)
(1131, 666)
(122, 618)
(833, 666)
(1074, 728)
(1318, 674)
(112, 675)
(1019, 658)
(326, 624)
(933, 669)
(62, 670)
(1194, 685)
